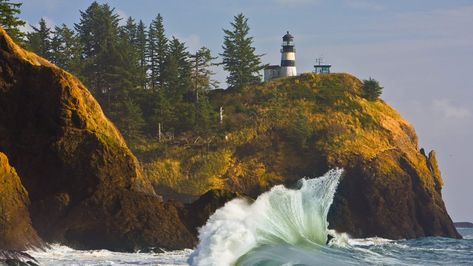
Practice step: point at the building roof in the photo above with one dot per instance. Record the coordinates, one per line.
(287, 37)
(271, 67)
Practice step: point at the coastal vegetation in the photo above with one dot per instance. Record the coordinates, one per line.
(148, 83)
(9, 19)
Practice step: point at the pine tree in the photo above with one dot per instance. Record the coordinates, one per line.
(39, 40)
(122, 99)
(9, 19)
(157, 52)
(141, 51)
(177, 71)
(371, 89)
(239, 57)
(129, 30)
(201, 74)
(129, 118)
(163, 112)
(98, 32)
(66, 49)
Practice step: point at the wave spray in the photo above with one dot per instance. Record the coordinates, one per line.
(245, 233)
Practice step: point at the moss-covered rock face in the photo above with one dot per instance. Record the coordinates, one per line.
(16, 231)
(85, 186)
(286, 129)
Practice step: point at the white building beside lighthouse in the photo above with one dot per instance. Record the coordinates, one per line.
(288, 61)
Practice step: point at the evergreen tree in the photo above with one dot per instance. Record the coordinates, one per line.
(157, 52)
(178, 70)
(39, 40)
(129, 118)
(98, 32)
(128, 51)
(129, 31)
(9, 19)
(163, 112)
(201, 74)
(239, 57)
(371, 89)
(136, 38)
(141, 51)
(123, 107)
(66, 49)
(206, 116)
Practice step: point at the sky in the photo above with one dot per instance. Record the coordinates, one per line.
(421, 51)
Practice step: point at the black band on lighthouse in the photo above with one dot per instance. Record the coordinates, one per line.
(288, 49)
(286, 63)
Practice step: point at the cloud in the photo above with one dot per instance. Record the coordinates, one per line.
(27, 27)
(449, 110)
(50, 5)
(49, 22)
(193, 41)
(365, 4)
(122, 16)
(295, 3)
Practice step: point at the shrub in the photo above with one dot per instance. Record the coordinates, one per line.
(371, 89)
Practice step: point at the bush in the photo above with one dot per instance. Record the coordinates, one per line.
(371, 89)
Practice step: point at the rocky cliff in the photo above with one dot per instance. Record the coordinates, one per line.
(16, 231)
(85, 186)
(286, 129)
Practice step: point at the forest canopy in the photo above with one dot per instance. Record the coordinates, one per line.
(147, 82)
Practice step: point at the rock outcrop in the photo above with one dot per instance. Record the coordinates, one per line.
(16, 231)
(85, 186)
(197, 213)
(17, 258)
(286, 129)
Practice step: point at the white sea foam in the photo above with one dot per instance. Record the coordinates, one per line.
(282, 227)
(280, 217)
(58, 255)
(371, 241)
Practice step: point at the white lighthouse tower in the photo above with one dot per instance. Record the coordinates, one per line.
(288, 57)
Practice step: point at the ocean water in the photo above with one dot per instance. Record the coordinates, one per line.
(282, 227)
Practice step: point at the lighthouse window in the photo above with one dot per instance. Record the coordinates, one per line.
(287, 43)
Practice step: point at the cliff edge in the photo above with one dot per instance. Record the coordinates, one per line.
(16, 230)
(286, 129)
(85, 186)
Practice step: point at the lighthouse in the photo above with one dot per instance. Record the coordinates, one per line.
(288, 61)
(288, 56)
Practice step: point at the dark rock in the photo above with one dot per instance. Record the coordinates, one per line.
(85, 186)
(463, 225)
(197, 213)
(394, 204)
(16, 231)
(16, 258)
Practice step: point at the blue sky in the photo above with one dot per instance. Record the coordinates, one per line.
(420, 50)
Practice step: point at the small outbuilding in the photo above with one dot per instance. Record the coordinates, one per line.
(321, 68)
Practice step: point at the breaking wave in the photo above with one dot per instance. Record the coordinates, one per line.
(281, 225)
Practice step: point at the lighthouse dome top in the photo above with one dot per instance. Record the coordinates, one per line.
(287, 37)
